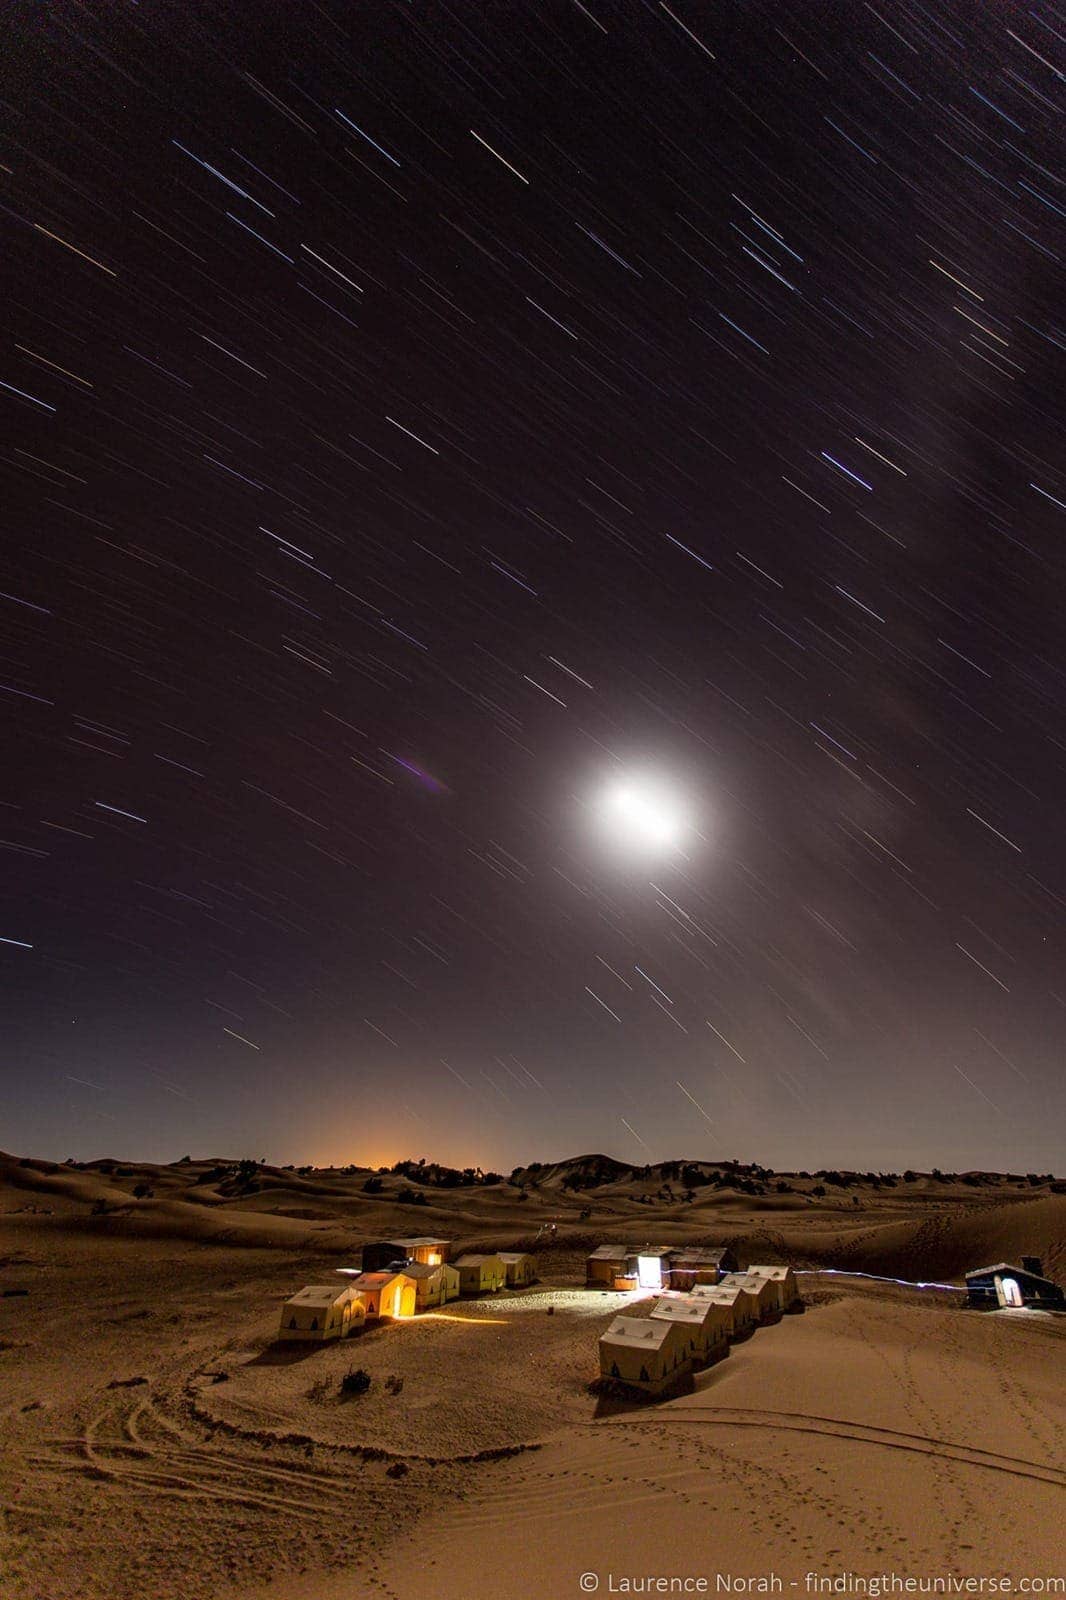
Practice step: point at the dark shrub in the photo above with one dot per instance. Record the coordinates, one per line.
(355, 1381)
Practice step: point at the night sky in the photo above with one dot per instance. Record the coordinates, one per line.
(418, 418)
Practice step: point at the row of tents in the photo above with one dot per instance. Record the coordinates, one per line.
(689, 1329)
(398, 1279)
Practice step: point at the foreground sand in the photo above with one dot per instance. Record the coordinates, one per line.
(154, 1444)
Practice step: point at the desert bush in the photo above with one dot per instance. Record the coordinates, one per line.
(373, 1186)
(355, 1381)
(142, 1191)
(819, 1190)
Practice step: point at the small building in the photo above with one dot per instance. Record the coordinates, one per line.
(786, 1289)
(606, 1263)
(381, 1253)
(689, 1265)
(1011, 1288)
(480, 1274)
(704, 1323)
(520, 1268)
(646, 1353)
(387, 1294)
(320, 1312)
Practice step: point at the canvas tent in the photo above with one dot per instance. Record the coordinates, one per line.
(387, 1294)
(606, 1263)
(432, 1284)
(711, 1321)
(785, 1288)
(730, 1294)
(689, 1265)
(763, 1293)
(382, 1253)
(519, 1268)
(480, 1274)
(322, 1311)
(646, 1353)
(430, 1252)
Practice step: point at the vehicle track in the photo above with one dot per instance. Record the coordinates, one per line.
(860, 1432)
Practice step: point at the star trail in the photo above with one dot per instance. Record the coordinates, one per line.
(420, 420)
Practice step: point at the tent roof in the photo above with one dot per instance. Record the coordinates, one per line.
(774, 1272)
(725, 1293)
(515, 1255)
(422, 1242)
(377, 1280)
(608, 1252)
(637, 1332)
(1020, 1272)
(680, 1310)
(682, 1254)
(476, 1260)
(319, 1294)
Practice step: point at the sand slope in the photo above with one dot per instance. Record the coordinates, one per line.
(873, 1432)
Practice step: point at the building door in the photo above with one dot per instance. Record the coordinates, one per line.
(1012, 1295)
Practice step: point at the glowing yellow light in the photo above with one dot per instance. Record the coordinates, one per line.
(453, 1316)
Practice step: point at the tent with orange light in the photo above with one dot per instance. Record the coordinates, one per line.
(480, 1274)
(433, 1285)
(519, 1267)
(606, 1263)
(381, 1253)
(320, 1312)
(387, 1294)
(645, 1353)
(430, 1252)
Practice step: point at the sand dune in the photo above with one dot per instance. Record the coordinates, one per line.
(155, 1443)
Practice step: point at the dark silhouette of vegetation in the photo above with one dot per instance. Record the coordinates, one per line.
(355, 1381)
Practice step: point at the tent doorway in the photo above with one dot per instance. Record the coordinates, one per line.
(1012, 1295)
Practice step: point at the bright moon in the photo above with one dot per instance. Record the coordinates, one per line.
(642, 816)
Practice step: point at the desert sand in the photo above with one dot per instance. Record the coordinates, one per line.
(155, 1442)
